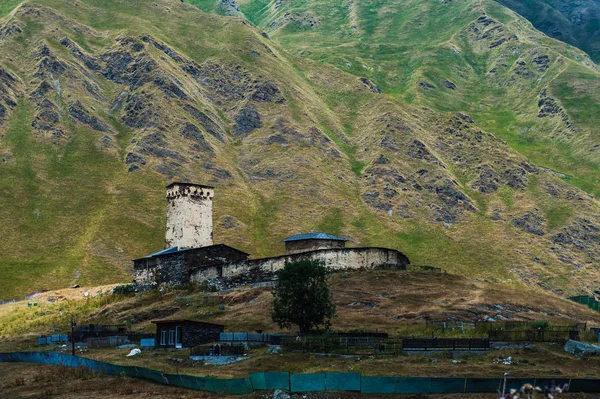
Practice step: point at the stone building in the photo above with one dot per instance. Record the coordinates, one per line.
(312, 242)
(185, 333)
(190, 255)
(189, 215)
(182, 265)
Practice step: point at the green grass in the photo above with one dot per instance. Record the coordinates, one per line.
(94, 216)
(398, 46)
(558, 215)
(333, 222)
(7, 6)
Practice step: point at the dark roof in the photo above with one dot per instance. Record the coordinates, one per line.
(186, 321)
(178, 183)
(176, 250)
(314, 236)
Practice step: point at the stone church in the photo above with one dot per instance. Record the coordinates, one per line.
(191, 256)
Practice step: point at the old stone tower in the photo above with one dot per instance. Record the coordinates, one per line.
(189, 215)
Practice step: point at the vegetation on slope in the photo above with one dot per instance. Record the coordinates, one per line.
(106, 102)
(577, 23)
(439, 54)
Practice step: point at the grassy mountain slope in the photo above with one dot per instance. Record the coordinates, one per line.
(104, 102)
(577, 23)
(441, 55)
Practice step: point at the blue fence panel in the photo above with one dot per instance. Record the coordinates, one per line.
(239, 386)
(240, 336)
(271, 380)
(307, 382)
(412, 385)
(205, 384)
(304, 382)
(446, 385)
(226, 336)
(147, 342)
(342, 381)
(378, 384)
(483, 385)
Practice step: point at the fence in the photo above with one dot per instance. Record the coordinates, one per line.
(52, 339)
(560, 336)
(106, 342)
(249, 338)
(456, 344)
(588, 301)
(343, 344)
(304, 382)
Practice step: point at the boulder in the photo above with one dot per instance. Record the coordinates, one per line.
(579, 348)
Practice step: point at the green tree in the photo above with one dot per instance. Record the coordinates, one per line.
(302, 297)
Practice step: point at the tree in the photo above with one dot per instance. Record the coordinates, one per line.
(302, 297)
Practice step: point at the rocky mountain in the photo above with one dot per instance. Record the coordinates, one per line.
(476, 153)
(574, 22)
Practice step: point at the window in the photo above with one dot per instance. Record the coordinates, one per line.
(163, 337)
(171, 337)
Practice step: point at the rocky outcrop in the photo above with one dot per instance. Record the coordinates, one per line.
(247, 120)
(207, 123)
(141, 111)
(87, 60)
(579, 242)
(191, 132)
(81, 114)
(531, 222)
(267, 92)
(230, 7)
(370, 85)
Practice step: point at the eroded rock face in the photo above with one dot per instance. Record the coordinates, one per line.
(81, 114)
(191, 132)
(531, 222)
(141, 112)
(247, 120)
(579, 242)
(267, 92)
(87, 60)
(207, 123)
(370, 85)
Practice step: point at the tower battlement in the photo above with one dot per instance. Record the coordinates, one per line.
(189, 215)
(175, 190)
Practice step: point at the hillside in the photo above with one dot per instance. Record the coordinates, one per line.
(102, 103)
(577, 23)
(394, 302)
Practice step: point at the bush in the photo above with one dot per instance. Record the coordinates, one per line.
(126, 289)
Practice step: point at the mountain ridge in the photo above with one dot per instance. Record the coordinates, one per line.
(103, 111)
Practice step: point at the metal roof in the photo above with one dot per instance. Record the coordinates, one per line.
(164, 251)
(174, 250)
(314, 236)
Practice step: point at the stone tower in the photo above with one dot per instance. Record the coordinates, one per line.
(189, 215)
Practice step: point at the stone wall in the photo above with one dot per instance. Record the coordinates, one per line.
(189, 216)
(294, 247)
(339, 259)
(196, 265)
(226, 263)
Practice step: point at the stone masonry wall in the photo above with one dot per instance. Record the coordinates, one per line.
(294, 247)
(339, 259)
(189, 216)
(182, 268)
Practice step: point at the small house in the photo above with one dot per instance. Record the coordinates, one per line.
(301, 243)
(184, 333)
